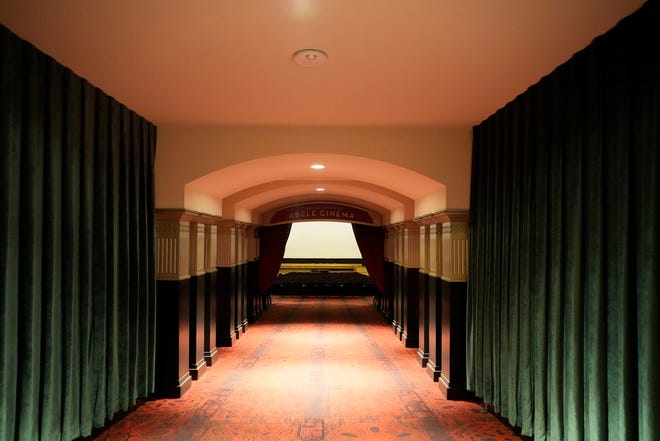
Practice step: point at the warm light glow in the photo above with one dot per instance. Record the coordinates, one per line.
(321, 240)
(320, 189)
(317, 166)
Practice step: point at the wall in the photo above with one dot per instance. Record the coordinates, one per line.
(187, 153)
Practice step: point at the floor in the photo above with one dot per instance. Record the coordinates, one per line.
(313, 369)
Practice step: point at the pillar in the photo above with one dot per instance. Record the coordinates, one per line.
(173, 377)
(197, 362)
(210, 300)
(225, 294)
(254, 306)
(454, 291)
(410, 286)
(423, 350)
(435, 301)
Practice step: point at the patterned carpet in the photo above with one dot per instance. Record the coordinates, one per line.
(313, 369)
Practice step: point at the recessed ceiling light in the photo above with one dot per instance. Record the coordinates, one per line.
(317, 166)
(320, 189)
(309, 57)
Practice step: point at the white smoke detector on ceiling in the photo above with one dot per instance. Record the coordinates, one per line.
(309, 57)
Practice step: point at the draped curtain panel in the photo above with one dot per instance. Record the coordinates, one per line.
(272, 243)
(77, 284)
(371, 242)
(563, 301)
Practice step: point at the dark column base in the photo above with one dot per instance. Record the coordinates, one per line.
(395, 327)
(422, 357)
(409, 341)
(454, 393)
(211, 357)
(198, 369)
(173, 338)
(453, 378)
(226, 341)
(433, 371)
(245, 325)
(177, 390)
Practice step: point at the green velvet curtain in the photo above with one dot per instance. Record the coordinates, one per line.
(563, 300)
(77, 289)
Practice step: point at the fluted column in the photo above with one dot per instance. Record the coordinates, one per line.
(197, 292)
(173, 377)
(387, 304)
(454, 291)
(410, 285)
(423, 349)
(226, 293)
(254, 305)
(210, 300)
(241, 279)
(397, 321)
(435, 301)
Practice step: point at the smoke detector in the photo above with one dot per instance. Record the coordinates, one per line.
(309, 57)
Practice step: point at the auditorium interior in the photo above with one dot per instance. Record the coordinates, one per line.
(494, 166)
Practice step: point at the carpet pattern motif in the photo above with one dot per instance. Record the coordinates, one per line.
(314, 369)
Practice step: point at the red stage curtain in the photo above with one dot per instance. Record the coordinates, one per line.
(272, 241)
(371, 242)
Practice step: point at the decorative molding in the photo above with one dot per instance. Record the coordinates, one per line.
(252, 238)
(226, 246)
(197, 242)
(172, 249)
(455, 251)
(411, 246)
(435, 250)
(210, 248)
(442, 217)
(424, 249)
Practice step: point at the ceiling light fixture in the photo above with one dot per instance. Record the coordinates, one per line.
(320, 189)
(317, 166)
(309, 57)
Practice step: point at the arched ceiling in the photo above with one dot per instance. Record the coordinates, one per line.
(391, 64)
(247, 189)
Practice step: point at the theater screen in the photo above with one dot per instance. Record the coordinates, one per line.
(310, 240)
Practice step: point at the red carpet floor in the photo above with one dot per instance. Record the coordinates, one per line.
(313, 369)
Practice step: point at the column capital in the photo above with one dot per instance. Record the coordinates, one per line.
(442, 217)
(172, 249)
(455, 251)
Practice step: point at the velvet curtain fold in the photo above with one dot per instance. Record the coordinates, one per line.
(371, 242)
(77, 290)
(563, 298)
(272, 243)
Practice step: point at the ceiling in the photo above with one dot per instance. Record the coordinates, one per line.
(391, 63)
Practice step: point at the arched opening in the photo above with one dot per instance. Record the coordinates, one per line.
(324, 259)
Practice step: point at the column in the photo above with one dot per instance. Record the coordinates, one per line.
(397, 322)
(423, 350)
(210, 300)
(388, 295)
(410, 286)
(254, 306)
(454, 291)
(226, 294)
(435, 301)
(197, 293)
(173, 288)
(241, 279)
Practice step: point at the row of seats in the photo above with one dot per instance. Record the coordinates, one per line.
(323, 284)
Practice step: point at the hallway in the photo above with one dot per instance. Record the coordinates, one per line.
(312, 369)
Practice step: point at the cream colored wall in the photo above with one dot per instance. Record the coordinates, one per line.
(186, 153)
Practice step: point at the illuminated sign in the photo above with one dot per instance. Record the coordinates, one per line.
(322, 212)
